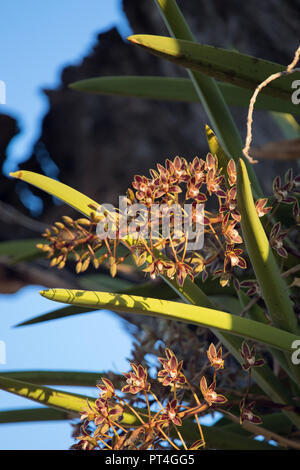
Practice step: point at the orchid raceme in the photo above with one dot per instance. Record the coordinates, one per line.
(173, 187)
(104, 426)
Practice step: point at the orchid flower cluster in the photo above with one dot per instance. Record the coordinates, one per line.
(200, 181)
(159, 423)
(177, 184)
(156, 426)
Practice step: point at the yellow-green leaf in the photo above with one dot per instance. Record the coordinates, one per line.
(273, 287)
(216, 149)
(72, 403)
(229, 66)
(65, 193)
(175, 311)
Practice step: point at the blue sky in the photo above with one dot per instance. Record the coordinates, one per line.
(93, 342)
(37, 39)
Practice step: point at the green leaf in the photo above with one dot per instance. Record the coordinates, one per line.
(277, 422)
(72, 403)
(32, 414)
(216, 149)
(227, 303)
(106, 283)
(70, 311)
(49, 377)
(176, 89)
(57, 314)
(21, 250)
(287, 124)
(273, 287)
(228, 66)
(175, 311)
(65, 193)
(218, 439)
(159, 290)
(147, 289)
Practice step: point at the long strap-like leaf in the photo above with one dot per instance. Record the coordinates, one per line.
(175, 311)
(176, 89)
(273, 287)
(72, 403)
(65, 193)
(225, 65)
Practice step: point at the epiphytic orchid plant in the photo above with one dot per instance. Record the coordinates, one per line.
(248, 253)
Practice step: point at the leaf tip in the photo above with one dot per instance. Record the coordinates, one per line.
(46, 293)
(16, 174)
(242, 172)
(133, 38)
(209, 132)
(23, 323)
